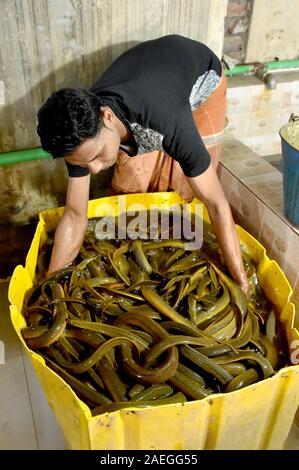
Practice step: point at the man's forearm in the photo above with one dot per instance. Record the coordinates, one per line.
(68, 240)
(208, 189)
(225, 230)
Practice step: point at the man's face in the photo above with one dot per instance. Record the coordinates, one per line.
(97, 153)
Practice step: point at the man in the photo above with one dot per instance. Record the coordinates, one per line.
(142, 105)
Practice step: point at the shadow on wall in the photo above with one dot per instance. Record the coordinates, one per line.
(34, 186)
(30, 187)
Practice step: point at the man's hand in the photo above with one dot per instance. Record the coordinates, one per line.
(245, 286)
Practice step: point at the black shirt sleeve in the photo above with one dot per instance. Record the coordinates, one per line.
(186, 145)
(75, 171)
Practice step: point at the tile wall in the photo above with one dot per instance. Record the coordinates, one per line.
(255, 114)
(254, 190)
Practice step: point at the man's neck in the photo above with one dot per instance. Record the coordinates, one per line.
(123, 131)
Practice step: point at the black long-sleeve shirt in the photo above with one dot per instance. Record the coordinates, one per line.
(153, 89)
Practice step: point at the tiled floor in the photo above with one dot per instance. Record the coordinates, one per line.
(26, 420)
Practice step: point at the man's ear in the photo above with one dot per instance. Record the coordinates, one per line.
(108, 117)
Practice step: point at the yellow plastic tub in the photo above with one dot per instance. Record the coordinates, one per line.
(256, 417)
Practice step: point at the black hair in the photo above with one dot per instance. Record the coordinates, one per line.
(68, 118)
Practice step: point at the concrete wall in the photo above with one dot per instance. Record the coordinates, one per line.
(47, 44)
(273, 31)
